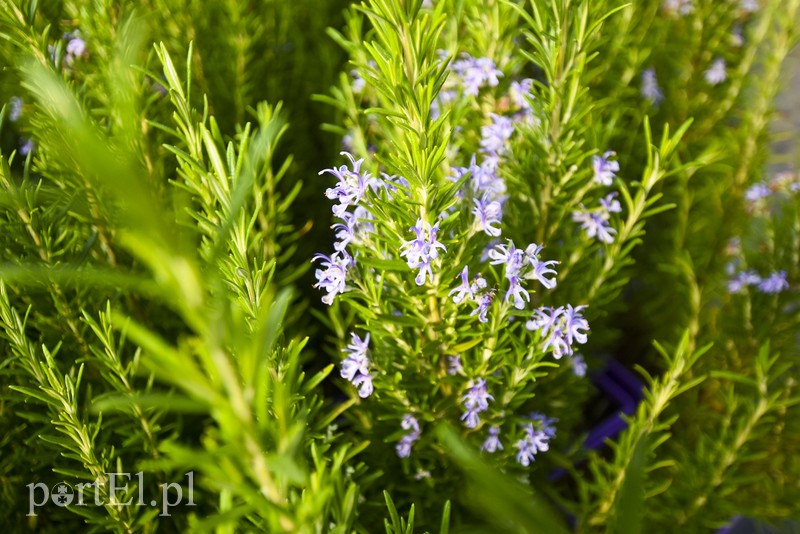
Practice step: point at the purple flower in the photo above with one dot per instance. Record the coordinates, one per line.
(484, 301)
(774, 283)
(519, 92)
(546, 424)
(476, 73)
(557, 343)
(422, 250)
(510, 256)
(579, 366)
(560, 327)
(532, 443)
(604, 168)
(476, 400)
(351, 187)
(742, 280)
(545, 319)
(518, 293)
(684, 7)
(488, 213)
(748, 6)
(611, 204)
(355, 367)
(403, 448)
(575, 326)
(483, 179)
(650, 89)
(540, 271)
(465, 289)
(716, 73)
(26, 146)
(756, 192)
(76, 47)
(14, 108)
(332, 277)
(454, 366)
(358, 83)
(495, 136)
(595, 224)
(492, 443)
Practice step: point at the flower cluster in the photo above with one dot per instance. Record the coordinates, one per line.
(774, 283)
(596, 222)
(785, 182)
(349, 191)
(683, 7)
(650, 88)
(519, 94)
(355, 367)
(522, 265)
(410, 423)
(422, 250)
(492, 443)
(561, 328)
(332, 277)
(14, 108)
(475, 291)
(604, 168)
(476, 73)
(476, 400)
(716, 73)
(536, 438)
(579, 366)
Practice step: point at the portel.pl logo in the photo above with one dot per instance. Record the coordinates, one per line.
(63, 494)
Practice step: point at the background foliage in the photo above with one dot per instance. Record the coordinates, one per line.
(161, 204)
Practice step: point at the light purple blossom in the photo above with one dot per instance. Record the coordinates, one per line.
(604, 168)
(483, 179)
(358, 83)
(495, 136)
(465, 289)
(749, 6)
(519, 92)
(742, 280)
(26, 146)
(476, 73)
(76, 47)
(422, 250)
(534, 440)
(492, 442)
(774, 283)
(756, 192)
(510, 256)
(611, 204)
(410, 423)
(716, 73)
(351, 187)
(476, 400)
(575, 326)
(518, 293)
(488, 213)
(540, 271)
(14, 108)
(684, 7)
(595, 224)
(454, 366)
(546, 424)
(355, 367)
(579, 366)
(332, 277)
(650, 89)
(560, 327)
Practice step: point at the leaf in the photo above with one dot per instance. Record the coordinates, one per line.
(503, 499)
